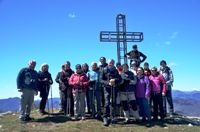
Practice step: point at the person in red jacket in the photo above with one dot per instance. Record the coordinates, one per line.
(79, 83)
(158, 84)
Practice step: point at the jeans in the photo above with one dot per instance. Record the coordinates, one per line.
(144, 108)
(92, 95)
(168, 98)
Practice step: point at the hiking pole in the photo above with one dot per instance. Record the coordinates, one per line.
(51, 98)
(47, 99)
(93, 101)
(113, 102)
(68, 102)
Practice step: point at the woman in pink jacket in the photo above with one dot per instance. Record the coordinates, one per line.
(158, 84)
(79, 83)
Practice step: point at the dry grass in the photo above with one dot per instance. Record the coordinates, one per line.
(58, 123)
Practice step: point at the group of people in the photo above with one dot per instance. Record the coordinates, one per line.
(140, 91)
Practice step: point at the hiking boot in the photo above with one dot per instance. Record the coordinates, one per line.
(149, 124)
(76, 117)
(138, 121)
(105, 121)
(114, 121)
(22, 119)
(28, 118)
(82, 118)
(127, 121)
(98, 117)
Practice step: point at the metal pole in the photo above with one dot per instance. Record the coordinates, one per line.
(47, 98)
(94, 88)
(68, 102)
(51, 98)
(113, 103)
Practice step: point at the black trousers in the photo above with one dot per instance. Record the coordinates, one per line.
(157, 103)
(65, 96)
(88, 100)
(110, 94)
(44, 92)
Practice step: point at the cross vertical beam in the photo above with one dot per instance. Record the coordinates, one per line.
(121, 37)
(121, 46)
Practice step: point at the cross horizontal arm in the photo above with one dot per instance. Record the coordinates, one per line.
(109, 36)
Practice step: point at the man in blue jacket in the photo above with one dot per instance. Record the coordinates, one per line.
(27, 85)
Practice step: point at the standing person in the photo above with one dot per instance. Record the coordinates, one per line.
(102, 65)
(27, 85)
(133, 68)
(110, 78)
(147, 71)
(79, 83)
(168, 75)
(136, 55)
(127, 93)
(119, 67)
(158, 84)
(66, 90)
(95, 91)
(85, 69)
(143, 90)
(60, 88)
(44, 80)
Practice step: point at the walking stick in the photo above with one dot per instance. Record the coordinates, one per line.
(51, 99)
(93, 100)
(113, 102)
(47, 98)
(68, 102)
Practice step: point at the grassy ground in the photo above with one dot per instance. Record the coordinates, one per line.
(11, 123)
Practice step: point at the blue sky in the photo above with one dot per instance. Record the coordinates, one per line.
(54, 31)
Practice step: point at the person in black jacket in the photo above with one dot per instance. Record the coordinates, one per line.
(66, 90)
(136, 55)
(102, 65)
(60, 91)
(27, 85)
(45, 80)
(110, 79)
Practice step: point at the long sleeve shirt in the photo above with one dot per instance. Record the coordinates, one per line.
(158, 83)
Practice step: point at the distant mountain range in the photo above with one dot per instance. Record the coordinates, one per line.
(12, 104)
(193, 95)
(185, 103)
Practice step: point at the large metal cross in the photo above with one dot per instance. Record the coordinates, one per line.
(121, 37)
